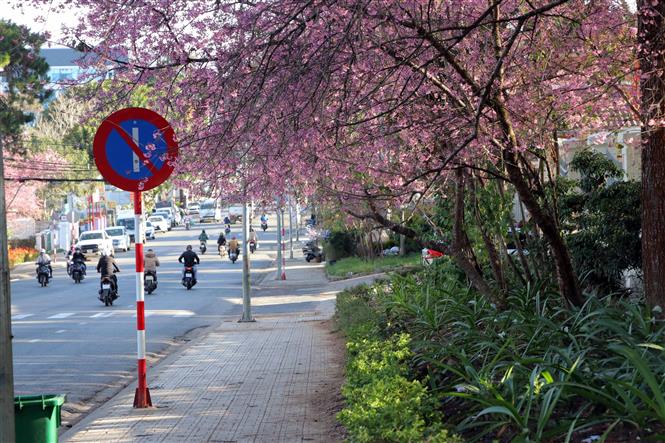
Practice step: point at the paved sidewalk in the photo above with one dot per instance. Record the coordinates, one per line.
(275, 380)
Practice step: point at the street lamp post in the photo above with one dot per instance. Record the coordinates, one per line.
(246, 300)
(290, 229)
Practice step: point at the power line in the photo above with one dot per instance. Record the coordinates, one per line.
(54, 180)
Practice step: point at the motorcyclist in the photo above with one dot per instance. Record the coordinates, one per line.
(203, 237)
(190, 259)
(79, 257)
(253, 237)
(45, 259)
(107, 268)
(150, 263)
(233, 245)
(264, 218)
(221, 241)
(227, 220)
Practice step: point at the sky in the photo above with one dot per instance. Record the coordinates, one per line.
(54, 18)
(42, 20)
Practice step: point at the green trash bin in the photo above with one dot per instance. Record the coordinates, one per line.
(37, 418)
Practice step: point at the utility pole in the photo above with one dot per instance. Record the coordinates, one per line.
(246, 296)
(6, 364)
(290, 229)
(280, 271)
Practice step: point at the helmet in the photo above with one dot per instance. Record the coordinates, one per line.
(43, 251)
(103, 253)
(189, 247)
(233, 238)
(78, 249)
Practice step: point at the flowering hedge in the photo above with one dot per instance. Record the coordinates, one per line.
(21, 255)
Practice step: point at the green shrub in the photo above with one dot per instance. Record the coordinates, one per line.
(383, 404)
(340, 244)
(537, 371)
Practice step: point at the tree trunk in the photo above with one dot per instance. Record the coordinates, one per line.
(652, 84)
(461, 247)
(566, 276)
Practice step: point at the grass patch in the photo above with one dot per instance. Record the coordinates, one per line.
(353, 266)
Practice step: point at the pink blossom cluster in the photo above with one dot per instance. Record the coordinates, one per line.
(360, 98)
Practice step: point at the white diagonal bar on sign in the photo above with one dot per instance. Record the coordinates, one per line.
(135, 158)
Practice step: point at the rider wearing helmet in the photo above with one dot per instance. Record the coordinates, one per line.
(79, 257)
(233, 245)
(190, 259)
(203, 236)
(107, 268)
(44, 259)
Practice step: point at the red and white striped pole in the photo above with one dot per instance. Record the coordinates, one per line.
(283, 246)
(142, 395)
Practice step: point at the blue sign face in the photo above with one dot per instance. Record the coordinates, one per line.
(135, 149)
(122, 158)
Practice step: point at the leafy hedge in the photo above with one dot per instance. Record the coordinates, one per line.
(383, 402)
(535, 372)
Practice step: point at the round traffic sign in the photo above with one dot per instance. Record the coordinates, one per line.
(135, 149)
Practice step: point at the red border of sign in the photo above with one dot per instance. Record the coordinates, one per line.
(113, 121)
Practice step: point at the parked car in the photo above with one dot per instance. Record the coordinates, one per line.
(119, 237)
(235, 213)
(160, 223)
(93, 242)
(149, 230)
(210, 211)
(173, 216)
(193, 208)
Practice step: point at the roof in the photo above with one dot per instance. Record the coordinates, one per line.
(60, 56)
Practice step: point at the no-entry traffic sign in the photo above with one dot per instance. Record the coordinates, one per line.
(135, 149)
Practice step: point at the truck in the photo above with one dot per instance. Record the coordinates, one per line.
(210, 211)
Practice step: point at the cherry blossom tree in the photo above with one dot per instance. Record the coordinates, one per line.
(372, 103)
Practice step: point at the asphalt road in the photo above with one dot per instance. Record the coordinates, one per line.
(67, 341)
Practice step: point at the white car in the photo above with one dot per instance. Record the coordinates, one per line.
(94, 242)
(160, 223)
(149, 231)
(120, 237)
(167, 214)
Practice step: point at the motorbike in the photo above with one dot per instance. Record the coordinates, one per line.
(203, 247)
(149, 282)
(221, 250)
(188, 224)
(233, 255)
(227, 229)
(188, 279)
(77, 272)
(264, 225)
(109, 291)
(252, 246)
(312, 252)
(43, 274)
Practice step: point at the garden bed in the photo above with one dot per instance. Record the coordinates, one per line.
(537, 371)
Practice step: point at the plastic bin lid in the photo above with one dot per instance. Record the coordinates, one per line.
(43, 399)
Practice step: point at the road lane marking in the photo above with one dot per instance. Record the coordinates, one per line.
(102, 315)
(62, 315)
(21, 316)
(83, 323)
(60, 331)
(34, 340)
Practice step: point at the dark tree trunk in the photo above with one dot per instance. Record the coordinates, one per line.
(566, 276)
(651, 41)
